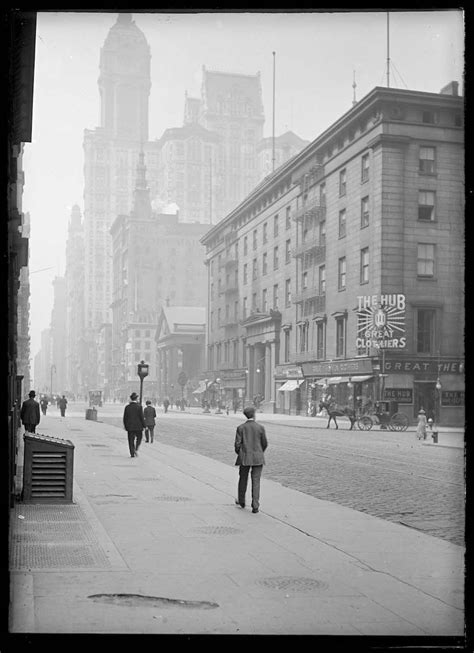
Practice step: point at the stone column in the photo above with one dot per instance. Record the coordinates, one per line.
(251, 374)
(268, 371)
(272, 372)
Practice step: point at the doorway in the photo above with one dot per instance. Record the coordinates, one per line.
(424, 397)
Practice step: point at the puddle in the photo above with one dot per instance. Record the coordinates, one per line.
(137, 600)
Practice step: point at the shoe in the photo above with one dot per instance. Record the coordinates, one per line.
(132, 455)
(254, 510)
(136, 454)
(237, 503)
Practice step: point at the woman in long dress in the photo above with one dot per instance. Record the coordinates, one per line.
(421, 427)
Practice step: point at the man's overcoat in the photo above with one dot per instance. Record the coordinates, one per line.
(250, 443)
(133, 419)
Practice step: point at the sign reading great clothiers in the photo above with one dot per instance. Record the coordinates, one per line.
(381, 321)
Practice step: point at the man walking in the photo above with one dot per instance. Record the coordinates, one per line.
(134, 423)
(30, 413)
(149, 413)
(63, 405)
(250, 443)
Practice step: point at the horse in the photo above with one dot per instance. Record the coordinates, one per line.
(334, 412)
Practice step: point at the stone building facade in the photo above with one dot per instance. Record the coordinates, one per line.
(370, 306)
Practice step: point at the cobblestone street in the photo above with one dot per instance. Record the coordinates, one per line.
(389, 475)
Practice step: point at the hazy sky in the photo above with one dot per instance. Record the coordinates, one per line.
(316, 56)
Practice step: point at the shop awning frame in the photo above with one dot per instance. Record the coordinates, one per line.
(335, 380)
(290, 385)
(200, 389)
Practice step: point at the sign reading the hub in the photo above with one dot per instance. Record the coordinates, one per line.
(381, 321)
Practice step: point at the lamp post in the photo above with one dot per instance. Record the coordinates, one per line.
(218, 411)
(206, 400)
(53, 367)
(438, 401)
(350, 387)
(142, 371)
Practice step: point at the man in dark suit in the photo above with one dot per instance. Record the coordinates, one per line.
(134, 423)
(250, 443)
(30, 413)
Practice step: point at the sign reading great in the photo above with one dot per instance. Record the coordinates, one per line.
(381, 321)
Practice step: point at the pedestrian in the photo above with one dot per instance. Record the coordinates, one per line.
(421, 427)
(30, 413)
(166, 403)
(149, 413)
(62, 405)
(134, 423)
(250, 443)
(44, 404)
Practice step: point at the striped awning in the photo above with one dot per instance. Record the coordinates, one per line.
(290, 385)
(200, 389)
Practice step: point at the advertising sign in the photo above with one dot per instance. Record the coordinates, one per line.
(381, 321)
(452, 398)
(402, 395)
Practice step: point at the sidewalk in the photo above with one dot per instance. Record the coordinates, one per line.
(156, 545)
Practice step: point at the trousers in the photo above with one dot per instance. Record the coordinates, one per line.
(256, 475)
(134, 441)
(149, 431)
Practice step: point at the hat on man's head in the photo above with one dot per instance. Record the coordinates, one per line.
(133, 396)
(32, 393)
(148, 402)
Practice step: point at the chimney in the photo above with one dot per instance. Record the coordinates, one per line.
(450, 89)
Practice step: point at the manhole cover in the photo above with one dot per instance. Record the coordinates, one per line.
(166, 497)
(294, 583)
(132, 600)
(216, 530)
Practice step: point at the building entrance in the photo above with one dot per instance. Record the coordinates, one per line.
(424, 397)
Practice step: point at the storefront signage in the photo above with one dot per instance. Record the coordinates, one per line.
(402, 365)
(288, 372)
(452, 397)
(402, 395)
(336, 368)
(232, 374)
(381, 321)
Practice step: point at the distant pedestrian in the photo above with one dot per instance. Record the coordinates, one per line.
(166, 404)
(44, 404)
(134, 423)
(30, 413)
(149, 413)
(62, 405)
(250, 443)
(421, 427)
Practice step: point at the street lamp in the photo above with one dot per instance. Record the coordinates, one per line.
(206, 400)
(218, 411)
(350, 387)
(142, 371)
(438, 400)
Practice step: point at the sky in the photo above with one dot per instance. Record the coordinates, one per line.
(317, 57)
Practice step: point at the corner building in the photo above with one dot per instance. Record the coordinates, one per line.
(342, 273)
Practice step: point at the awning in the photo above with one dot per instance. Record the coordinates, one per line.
(334, 380)
(200, 389)
(290, 385)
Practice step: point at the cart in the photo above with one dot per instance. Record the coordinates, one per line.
(387, 416)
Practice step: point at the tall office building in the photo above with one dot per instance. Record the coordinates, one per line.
(74, 302)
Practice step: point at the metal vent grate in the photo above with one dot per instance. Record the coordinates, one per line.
(48, 474)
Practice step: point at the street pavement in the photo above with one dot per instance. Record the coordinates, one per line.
(156, 545)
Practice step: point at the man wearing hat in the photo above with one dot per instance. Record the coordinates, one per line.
(134, 423)
(30, 413)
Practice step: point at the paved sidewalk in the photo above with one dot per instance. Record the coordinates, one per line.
(156, 545)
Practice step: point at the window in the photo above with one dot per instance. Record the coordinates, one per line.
(275, 258)
(322, 279)
(275, 297)
(212, 320)
(254, 301)
(235, 353)
(364, 265)
(246, 245)
(341, 274)
(364, 212)
(227, 312)
(288, 251)
(254, 268)
(244, 308)
(264, 264)
(426, 205)
(322, 233)
(212, 290)
(340, 335)
(255, 239)
(426, 164)
(342, 223)
(342, 182)
(365, 168)
(304, 280)
(428, 117)
(288, 292)
(236, 310)
(320, 340)
(287, 345)
(245, 273)
(425, 260)
(265, 232)
(322, 195)
(275, 225)
(288, 218)
(264, 300)
(303, 336)
(425, 330)
(219, 315)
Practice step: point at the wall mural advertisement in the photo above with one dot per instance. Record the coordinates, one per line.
(381, 321)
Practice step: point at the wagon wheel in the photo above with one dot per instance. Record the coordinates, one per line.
(399, 422)
(365, 423)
